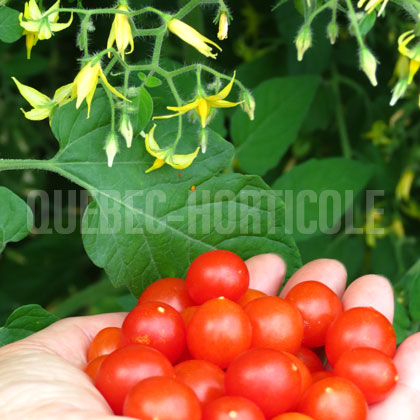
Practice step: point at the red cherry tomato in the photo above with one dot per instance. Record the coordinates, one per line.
(305, 375)
(206, 379)
(292, 416)
(319, 307)
(188, 313)
(218, 332)
(249, 296)
(105, 342)
(157, 325)
(359, 327)
(123, 368)
(321, 374)
(267, 377)
(171, 290)
(93, 366)
(334, 399)
(231, 408)
(370, 370)
(311, 360)
(217, 273)
(162, 398)
(276, 324)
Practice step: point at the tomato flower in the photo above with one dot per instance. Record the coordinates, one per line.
(402, 191)
(121, 32)
(189, 35)
(413, 54)
(85, 82)
(223, 26)
(166, 155)
(202, 105)
(40, 26)
(43, 106)
(372, 4)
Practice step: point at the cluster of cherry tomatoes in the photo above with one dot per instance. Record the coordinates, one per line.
(210, 348)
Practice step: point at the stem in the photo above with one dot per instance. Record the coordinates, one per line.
(355, 24)
(158, 47)
(23, 164)
(85, 35)
(318, 11)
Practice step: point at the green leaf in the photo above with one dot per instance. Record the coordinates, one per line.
(10, 29)
(401, 322)
(16, 219)
(150, 81)
(25, 321)
(142, 227)
(281, 107)
(320, 191)
(411, 283)
(367, 23)
(143, 104)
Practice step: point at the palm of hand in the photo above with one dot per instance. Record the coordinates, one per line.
(41, 377)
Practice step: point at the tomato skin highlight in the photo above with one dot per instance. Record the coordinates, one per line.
(276, 324)
(157, 325)
(319, 307)
(123, 368)
(206, 379)
(334, 399)
(105, 342)
(274, 393)
(217, 273)
(370, 370)
(229, 408)
(162, 398)
(170, 290)
(310, 358)
(359, 327)
(218, 332)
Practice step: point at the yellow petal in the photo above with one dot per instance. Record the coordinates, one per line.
(55, 27)
(224, 92)
(158, 163)
(31, 40)
(403, 40)
(203, 110)
(44, 30)
(414, 67)
(53, 17)
(37, 114)
(33, 96)
(30, 26)
(33, 10)
(151, 146)
(185, 108)
(86, 81)
(224, 104)
(62, 93)
(108, 85)
(89, 97)
(182, 161)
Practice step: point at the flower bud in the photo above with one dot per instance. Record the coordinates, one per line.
(332, 32)
(111, 148)
(368, 65)
(248, 104)
(126, 129)
(399, 90)
(223, 26)
(204, 137)
(303, 41)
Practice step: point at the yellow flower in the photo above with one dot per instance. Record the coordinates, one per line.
(373, 228)
(223, 26)
(166, 155)
(413, 54)
(192, 37)
(43, 106)
(372, 4)
(39, 25)
(85, 82)
(121, 32)
(203, 105)
(402, 191)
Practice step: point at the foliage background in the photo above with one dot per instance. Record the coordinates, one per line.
(343, 118)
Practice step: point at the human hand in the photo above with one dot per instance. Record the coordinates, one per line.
(41, 376)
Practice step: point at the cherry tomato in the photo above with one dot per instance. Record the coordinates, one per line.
(218, 332)
(321, 374)
(334, 399)
(123, 368)
(93, 366)
(311, 360)
(206, 379)
(231, 408)
(267, 377)
(305, 375)
(292, 416)
(319, 307)
(249, 296)
(162, 398)
(188, 313)
(217, 273)
(359, 327)
(105, 342)
(370, 370)
(157, 325)
(276, 324)
(171, 290)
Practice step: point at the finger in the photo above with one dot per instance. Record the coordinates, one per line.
(330, 272)
(266, 273)
(371, 290)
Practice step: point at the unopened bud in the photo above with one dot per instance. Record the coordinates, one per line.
(399, 90)
(223, 26)
(248, 104)
(204, 137)
(303, 41)
(332, 32)
(126, 129)
(111, 148)
(368, 65)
